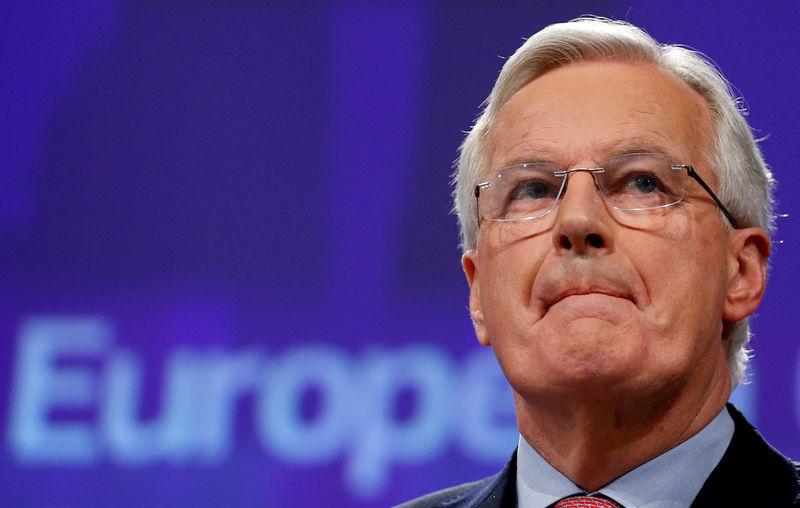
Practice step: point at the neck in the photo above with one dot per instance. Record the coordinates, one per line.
(594, 442)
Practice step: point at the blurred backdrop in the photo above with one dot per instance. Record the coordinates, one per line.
(229, 272)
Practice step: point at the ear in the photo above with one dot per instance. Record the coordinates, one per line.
(469, 261)
(748, 251)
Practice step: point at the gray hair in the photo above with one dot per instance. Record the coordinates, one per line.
(745, 182)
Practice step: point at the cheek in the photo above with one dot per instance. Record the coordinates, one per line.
(508, 264)
(682, 261)
(507, 270)
(686, 284)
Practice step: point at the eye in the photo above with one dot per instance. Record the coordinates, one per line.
(643, 183)
(532, 189)
(640, 181)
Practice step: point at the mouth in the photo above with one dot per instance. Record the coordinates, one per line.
(589, 287)
(600, 291)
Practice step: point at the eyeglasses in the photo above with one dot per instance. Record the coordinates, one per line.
(638, 185)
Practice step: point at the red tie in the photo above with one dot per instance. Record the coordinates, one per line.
(585, 502)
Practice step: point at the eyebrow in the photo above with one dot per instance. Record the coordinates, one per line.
(638, 150)
(530, 161)
(632, 146)
(623, 147)
(537, 158)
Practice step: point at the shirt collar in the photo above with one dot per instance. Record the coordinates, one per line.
(672, 479)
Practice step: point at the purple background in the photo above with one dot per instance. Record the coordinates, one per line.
(260, 190)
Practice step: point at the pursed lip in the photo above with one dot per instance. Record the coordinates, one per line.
(586, 290)
(555, 283)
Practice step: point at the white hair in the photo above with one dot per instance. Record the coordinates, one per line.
(745, 182)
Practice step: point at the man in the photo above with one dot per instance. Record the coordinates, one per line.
(614, 210)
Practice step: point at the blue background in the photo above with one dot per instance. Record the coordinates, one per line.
(229, 274)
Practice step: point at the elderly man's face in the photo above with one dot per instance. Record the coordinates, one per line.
(591, 307)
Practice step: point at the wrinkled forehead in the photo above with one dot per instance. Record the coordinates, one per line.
(585, 112)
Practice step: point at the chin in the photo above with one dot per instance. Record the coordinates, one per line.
(590, 355)
(591, 386)
(589, 341)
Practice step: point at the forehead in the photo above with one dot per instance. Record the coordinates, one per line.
(587, 111)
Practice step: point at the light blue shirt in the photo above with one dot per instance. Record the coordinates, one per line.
(671, 480)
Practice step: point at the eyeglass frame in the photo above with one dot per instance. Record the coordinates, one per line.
(566, 172)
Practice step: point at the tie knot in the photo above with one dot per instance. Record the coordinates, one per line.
(586, 502)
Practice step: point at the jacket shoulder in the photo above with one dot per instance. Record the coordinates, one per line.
(498, 491)
(449, 497)
(750, 473)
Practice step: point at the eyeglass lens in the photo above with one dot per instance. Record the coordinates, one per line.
(629, 182)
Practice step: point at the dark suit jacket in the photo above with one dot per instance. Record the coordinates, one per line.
(751, 474)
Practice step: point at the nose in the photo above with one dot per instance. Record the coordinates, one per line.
(582, 224)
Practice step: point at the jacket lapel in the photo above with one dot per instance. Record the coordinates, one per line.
(750, 473)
